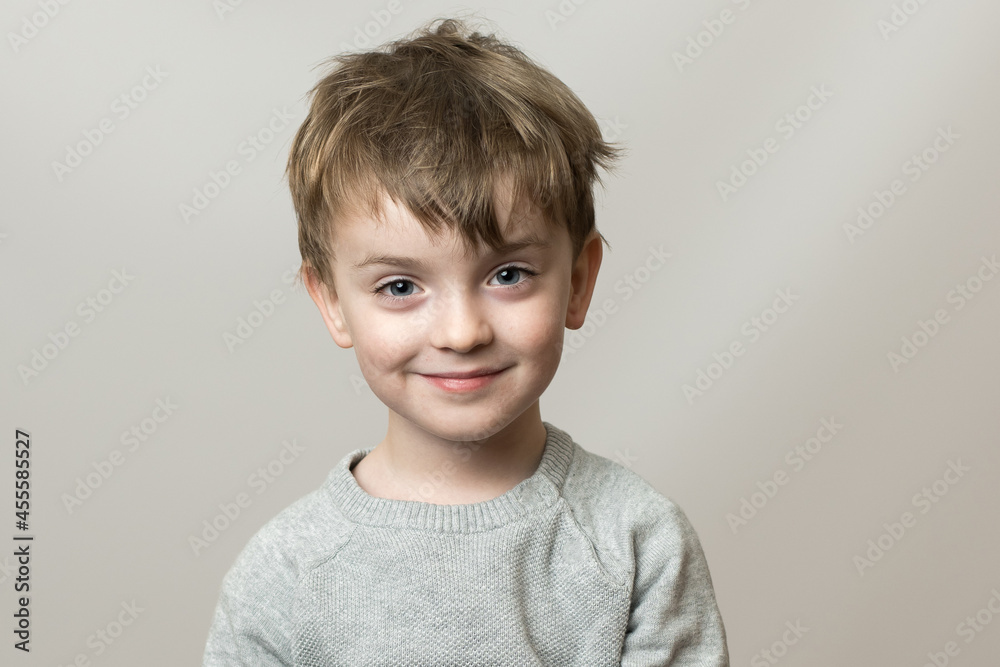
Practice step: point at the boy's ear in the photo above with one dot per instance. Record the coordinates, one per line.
(583, 279)
(329, 307)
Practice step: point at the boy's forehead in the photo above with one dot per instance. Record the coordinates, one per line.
(397, 228)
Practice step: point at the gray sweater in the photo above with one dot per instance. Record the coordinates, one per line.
(582, 564)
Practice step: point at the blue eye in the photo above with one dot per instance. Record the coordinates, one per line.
(401, 288)
(394, 285)
(513, 272)
(401, 285)
(509, 271)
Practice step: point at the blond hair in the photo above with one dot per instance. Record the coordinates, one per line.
(434, 121)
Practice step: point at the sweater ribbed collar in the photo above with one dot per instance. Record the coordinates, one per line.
(537, 491)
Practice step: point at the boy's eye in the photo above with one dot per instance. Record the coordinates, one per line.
(512, 277)
(403, 286)
(509, 273)
(395, 289)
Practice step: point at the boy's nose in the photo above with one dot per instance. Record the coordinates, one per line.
(460, 324)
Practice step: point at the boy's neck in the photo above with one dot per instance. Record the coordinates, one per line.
(411, 464)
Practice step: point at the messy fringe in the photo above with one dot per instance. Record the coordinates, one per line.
(437, 121)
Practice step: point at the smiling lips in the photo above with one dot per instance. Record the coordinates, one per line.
(464, 380)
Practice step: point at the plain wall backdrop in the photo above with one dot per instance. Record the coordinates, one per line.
(811, 373)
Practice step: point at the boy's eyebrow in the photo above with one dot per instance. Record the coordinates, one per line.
(512, 246)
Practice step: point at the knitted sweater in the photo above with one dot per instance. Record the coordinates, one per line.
(582, 564)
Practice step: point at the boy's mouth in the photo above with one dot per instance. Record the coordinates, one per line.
(463, 375)
(459, 381)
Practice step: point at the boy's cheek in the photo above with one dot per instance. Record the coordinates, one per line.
(385, 341)
(544, 339)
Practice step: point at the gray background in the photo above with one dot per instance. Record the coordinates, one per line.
(620, 388)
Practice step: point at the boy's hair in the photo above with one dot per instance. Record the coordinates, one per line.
(435, 121)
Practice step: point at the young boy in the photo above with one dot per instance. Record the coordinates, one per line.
(443, 188)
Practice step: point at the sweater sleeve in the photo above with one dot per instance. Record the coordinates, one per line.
(252, 625)
(674, 619)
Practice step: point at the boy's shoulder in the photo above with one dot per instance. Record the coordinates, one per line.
(296, 539)
(620, 508)
(595, 482)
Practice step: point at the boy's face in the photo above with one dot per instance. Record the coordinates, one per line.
(415, 306)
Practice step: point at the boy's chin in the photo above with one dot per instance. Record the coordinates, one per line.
(469, 431)
(463, 426)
